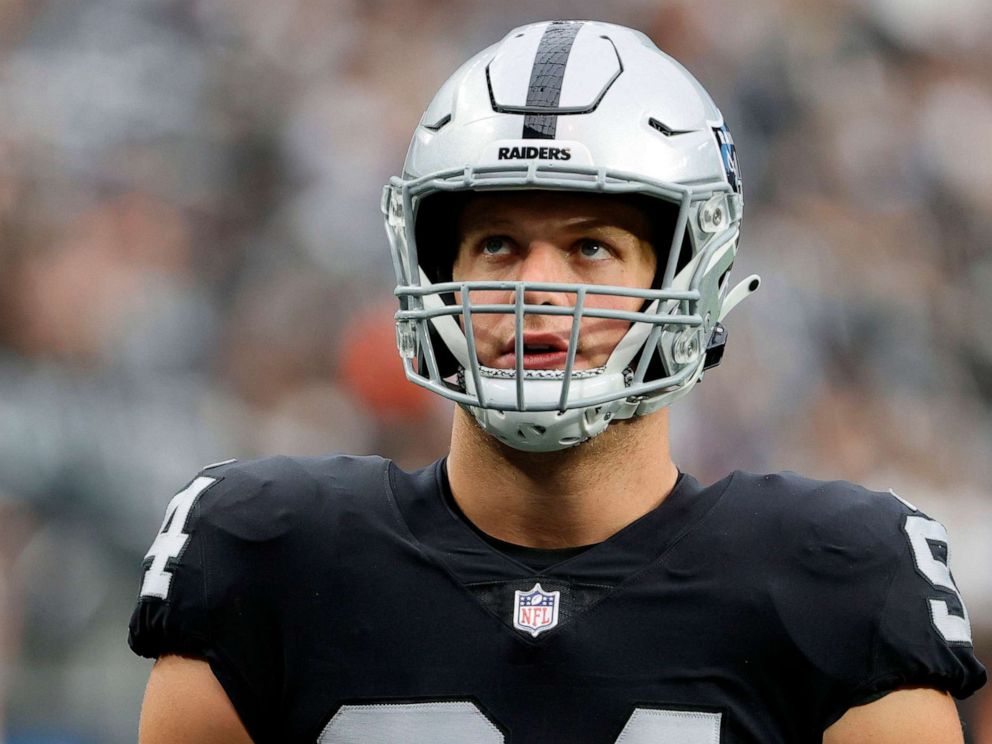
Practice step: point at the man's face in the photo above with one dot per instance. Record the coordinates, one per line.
(548, 236)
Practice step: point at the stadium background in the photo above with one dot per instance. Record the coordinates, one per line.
(192, 267)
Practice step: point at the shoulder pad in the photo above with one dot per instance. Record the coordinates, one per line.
(825, 518)
(257, 500)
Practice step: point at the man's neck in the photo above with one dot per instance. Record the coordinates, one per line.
(578, 496)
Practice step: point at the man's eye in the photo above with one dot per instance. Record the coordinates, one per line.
(594, 250)
(495, 246)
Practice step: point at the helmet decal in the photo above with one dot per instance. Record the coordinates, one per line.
(729, 154)
(546, 77)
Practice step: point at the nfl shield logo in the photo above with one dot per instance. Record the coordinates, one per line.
(535, 610)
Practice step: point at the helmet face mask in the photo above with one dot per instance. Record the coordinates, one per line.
(491, 128)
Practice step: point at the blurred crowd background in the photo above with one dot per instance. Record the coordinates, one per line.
(193, 267)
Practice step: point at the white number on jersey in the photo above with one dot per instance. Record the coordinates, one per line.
(458, 722)
(171, 539)
(922, 532)
(655, 726)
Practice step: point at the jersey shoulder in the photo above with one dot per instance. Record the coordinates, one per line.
(235, 560)
(861, 583)
(833, 547)
(239, 529)
(261, 500)
(838, 517)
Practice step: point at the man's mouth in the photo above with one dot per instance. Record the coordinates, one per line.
(541, 351)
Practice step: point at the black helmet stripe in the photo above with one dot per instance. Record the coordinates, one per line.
(546, 77)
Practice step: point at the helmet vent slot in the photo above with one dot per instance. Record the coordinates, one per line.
(436, 126)
(666, 130)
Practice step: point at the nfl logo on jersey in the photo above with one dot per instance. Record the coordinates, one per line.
(535, 610)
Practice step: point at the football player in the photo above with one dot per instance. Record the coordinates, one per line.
(562, 236)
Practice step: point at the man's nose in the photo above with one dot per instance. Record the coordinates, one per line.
(545, 262)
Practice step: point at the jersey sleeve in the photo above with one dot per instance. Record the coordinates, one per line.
(171, 613)
(882, 610)
(923, 632)
(210, 587)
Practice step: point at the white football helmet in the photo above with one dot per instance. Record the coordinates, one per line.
(579, 106)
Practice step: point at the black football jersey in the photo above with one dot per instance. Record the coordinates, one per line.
(342, 600)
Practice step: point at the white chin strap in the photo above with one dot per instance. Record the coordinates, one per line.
(545, 431)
